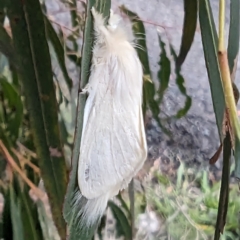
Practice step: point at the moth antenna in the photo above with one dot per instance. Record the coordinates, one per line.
(138, 46)
(139, 38)
(144, 34)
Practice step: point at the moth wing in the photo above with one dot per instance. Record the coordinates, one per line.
(113, 145)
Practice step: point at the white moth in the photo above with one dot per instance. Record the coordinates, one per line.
(113, 146)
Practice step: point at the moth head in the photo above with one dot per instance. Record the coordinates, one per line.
(113, 21)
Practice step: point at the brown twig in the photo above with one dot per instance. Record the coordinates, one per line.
(23, 160)
(40, 194)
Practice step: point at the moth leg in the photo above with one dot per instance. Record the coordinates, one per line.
(85, 90)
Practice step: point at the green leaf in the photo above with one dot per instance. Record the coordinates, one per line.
(233, 50)
(69, 214)
(64, 132)
(124, 205)
(233, 37)
(13, 119)
(49, 230)
(24, 217)
(224, 192)
(189, 28)
(31, 47)
(209, 40)
(101, 227)
(6, 222)
(180, 83)
(59, 51)
(237, 162)
(30, 221)
(6, 47)
(123, 227)
(17, 223)
(164, 72)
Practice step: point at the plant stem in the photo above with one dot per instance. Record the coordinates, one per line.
(221, 25)
(225, 72)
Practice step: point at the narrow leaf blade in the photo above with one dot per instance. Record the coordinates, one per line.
(164, 72)
(234, 32)
(224, 192)
(59, 51)
(31, 46)
(6, 46)
(14, 118)
(189, 28)
(209, 40)
(16, 216)
(122, 225)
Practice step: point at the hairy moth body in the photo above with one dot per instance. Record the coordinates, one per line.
(113, 146)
